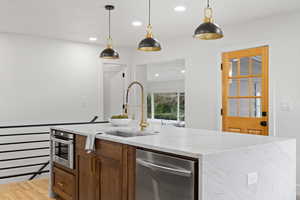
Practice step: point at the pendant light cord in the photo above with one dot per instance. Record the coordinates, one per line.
(109, 33)
(149, 13)
(208, 4)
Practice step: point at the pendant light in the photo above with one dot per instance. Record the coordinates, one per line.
(149, 43)
(109, 52)
(208, 30)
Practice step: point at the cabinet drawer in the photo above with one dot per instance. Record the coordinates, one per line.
(109, 149)
(104, 148)
(64, 184)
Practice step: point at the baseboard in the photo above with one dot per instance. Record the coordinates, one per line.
(298, 190)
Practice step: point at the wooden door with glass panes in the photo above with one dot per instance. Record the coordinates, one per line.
(245, 91)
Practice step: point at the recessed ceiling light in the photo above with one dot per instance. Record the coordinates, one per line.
(92, 39)
(180, 8)
(137, 23)
(156, 75)
(183, 71)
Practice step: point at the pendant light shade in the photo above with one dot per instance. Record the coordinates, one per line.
(208, 30)
(109, 52)
(149, 43)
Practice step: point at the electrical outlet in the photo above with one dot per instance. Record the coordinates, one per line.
(252, 178)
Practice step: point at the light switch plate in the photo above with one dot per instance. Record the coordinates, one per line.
(252, 178)
(285, 106)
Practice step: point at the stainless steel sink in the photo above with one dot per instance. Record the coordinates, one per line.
(130, 133)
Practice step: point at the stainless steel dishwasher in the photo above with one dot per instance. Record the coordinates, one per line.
(163, 177)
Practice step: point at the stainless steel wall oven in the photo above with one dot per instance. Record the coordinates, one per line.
(62, 148)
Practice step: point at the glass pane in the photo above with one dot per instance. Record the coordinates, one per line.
(256, 109)
(165, 106)
(233, 86)
(181, 107)
(233, 107)
(62, 150)
(244, 66)
(256, 65)
(233, 67)
(244, 87)
(248, 87)
(244, 107)
(250, 107)
(256, 87)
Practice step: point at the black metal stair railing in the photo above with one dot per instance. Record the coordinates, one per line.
(43, 165)
(40, 171)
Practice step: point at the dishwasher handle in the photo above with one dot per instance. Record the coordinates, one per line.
(179, 172)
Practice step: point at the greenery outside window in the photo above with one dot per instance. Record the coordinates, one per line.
(166, 106)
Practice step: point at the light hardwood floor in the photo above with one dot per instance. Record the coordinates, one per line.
(29, 190)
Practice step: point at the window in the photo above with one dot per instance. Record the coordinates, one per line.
(167, 106)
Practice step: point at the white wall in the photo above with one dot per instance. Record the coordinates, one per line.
(203, 75)
(46, 81)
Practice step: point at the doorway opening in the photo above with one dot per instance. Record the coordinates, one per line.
(164, 84)
(114, 83)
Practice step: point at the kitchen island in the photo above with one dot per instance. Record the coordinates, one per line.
(230, 166)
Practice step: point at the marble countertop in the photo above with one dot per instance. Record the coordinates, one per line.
(180, 141)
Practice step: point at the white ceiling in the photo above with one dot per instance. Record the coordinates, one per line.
(77, 20)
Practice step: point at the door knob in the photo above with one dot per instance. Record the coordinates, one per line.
(264, 123)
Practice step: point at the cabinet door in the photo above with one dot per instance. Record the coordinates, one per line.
(109, 179)
(86, 179)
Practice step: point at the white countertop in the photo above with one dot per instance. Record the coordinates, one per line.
(181, 141)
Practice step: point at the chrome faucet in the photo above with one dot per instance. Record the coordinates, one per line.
(143, 124)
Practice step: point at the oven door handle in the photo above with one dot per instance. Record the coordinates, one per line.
(180, 172)
(62, 141)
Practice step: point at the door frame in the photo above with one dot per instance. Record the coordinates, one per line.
(270, 90)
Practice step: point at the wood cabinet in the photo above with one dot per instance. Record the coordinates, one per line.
(104, 175)
(63, 184)
(85, 176)
(109, 179)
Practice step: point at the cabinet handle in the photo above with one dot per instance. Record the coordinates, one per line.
(60, 184)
